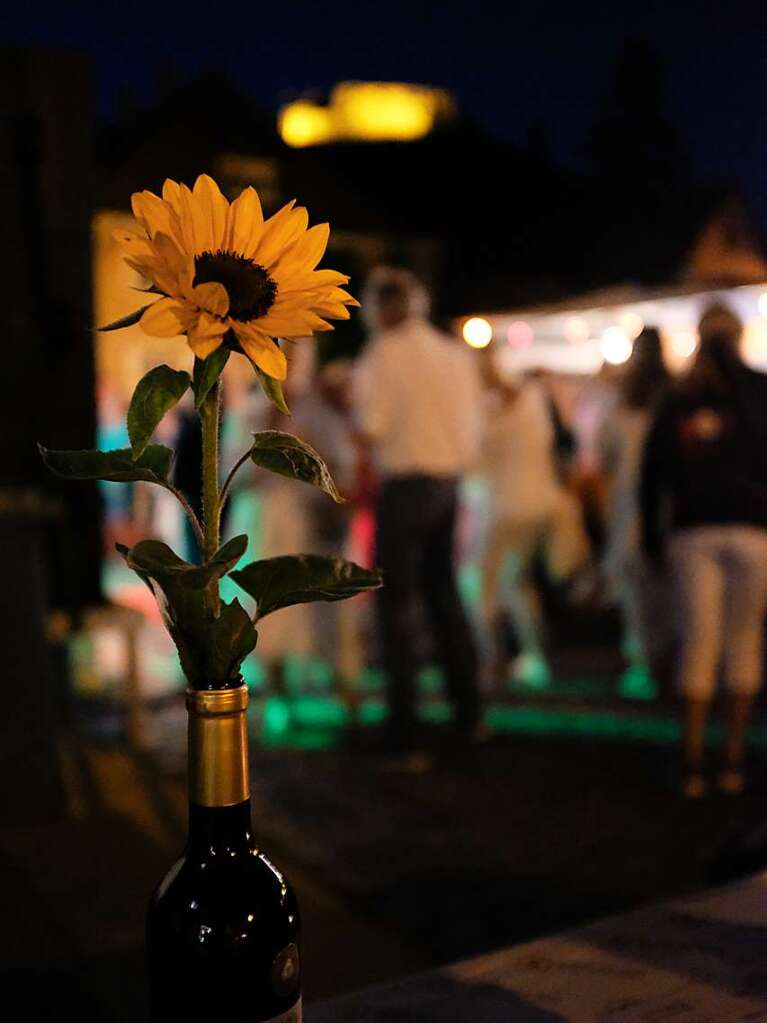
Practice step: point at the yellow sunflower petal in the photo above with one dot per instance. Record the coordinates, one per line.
(213, 208)
(307, 251)
(246, 221)
(167, 248)
(163, 265)
(167, 318)
(333, 310)
(281, 230)
(345, 297)
(292, 324)
(171, 194)
(154, 215)
(176, 264)
(212, 297)
(132, 243)
(262, 350)
(160, 278)
(196, 226)
(288, 282)
(310, 299)
(338, 295)
(206, 335)
(144, 268)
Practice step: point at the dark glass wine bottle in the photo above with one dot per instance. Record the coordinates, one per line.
(223, 925)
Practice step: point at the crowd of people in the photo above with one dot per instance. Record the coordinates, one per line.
(645, 492)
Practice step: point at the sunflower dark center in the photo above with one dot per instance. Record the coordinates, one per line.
(250, 289)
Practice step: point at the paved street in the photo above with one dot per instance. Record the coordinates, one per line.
(565, 815)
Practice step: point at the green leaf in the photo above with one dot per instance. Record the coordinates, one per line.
(302, 578)
(156, 392)
(273, 390)
(211, 650)
(206, 373)
(126, 321)
(155, 558)
(117, 466)
(286, 455)
(231, 638)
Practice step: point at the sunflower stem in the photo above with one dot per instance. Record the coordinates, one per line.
(210, 416)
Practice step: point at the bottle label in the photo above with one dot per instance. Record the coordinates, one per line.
(293, 1015)
(286, 971)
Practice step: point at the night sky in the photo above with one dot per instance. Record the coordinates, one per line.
(539, 61)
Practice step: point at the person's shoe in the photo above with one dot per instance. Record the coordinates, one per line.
(530, 671)
(693, 785)
(731, 781)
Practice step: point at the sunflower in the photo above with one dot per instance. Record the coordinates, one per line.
(229, 277)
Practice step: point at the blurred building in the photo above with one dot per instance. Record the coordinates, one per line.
(657, 270)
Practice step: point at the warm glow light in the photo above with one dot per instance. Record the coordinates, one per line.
(366, 111)
(384, 110)
(762, 304)
(305, 124)
(477, 332)
(615, 346)
(684, 343)
(631, 324)
(520, 334)
(576, 330)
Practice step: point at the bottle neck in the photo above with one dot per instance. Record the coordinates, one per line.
(221, 829)
(218, 748)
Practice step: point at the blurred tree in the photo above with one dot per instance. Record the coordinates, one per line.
(634, 144)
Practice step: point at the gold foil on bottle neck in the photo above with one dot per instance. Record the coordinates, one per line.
(218, 746)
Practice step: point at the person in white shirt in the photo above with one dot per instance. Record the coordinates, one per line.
(530, 513)
(418, 401)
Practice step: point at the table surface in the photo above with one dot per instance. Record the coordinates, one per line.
(695, 960)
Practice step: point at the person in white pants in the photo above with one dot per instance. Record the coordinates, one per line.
(704, 506)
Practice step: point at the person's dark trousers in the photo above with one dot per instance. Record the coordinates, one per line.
(415, 526)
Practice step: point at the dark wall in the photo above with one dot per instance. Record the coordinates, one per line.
(47, 352)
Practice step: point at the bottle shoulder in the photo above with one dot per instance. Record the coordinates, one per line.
(212, 880)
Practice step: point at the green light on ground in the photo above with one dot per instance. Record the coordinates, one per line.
(600, 724)
(470, 584)
(254, 673)
(320, 673)
(372, 680)
(437, 712)
(276, 716)
(430, 679)
(636, 683)
(318, 712)
(372, 712)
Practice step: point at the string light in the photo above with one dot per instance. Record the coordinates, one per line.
(631, 324)
(477, 332)
(615, 346)
(576, 330)
(684, 343)
(520, 334)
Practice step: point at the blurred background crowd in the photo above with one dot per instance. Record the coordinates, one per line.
(574, 299)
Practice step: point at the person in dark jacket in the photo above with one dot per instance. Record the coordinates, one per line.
(703, 498)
